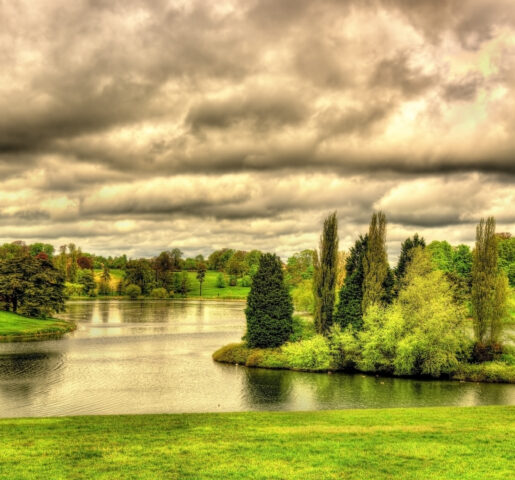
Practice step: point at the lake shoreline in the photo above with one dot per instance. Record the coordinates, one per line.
(439, 442)
(18, 328)
(273, 359)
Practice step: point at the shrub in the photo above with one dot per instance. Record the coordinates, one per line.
(220, 281)
(493, 372)
(423, 332)
(233, 280)
(232, 353)
(302, 329)
(159, 293)
(133, 291)
(246, 281)
(73, 289)
(343, 347)
(302, 296)
(311, 354)
(269, 307)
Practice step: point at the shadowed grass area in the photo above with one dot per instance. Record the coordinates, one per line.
(436, 443)
(15, 327)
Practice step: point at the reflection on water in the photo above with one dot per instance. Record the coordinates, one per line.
(155, 356)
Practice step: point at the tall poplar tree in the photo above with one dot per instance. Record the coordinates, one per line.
(324, 280)
(488, 285)
(375, 263)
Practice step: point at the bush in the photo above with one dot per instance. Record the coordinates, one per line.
(133, 291)
(233, 280)
(246, 281)
(312, 354)
(343, 347)
(73, 289)
(269, 307)
(423, 332)
(302, 296)
(493, 372)
(220, 281)
(302, 329)
(159, 293)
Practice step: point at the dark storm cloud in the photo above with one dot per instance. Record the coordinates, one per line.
(137, 118)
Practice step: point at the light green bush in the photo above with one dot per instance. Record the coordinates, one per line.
(302, 296)
(343, 347)
(133, 291)
(159, 293)
(311, 354)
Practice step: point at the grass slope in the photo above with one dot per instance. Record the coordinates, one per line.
(426, 443)
(210, 290)
(15, 327)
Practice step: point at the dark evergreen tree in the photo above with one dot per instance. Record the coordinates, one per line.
(31, 286)
(405, 259)
(269, 306)
(351, 294)
(324, 279)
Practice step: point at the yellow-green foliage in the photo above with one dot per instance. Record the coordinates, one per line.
(344, 347)
(493, 372)
(236, 353)
(311, 354)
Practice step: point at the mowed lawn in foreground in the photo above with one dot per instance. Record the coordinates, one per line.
(433, 443)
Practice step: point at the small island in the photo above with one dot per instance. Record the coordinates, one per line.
(416, 320)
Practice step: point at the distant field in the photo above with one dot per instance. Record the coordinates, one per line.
(116, 277)
(415, 443)
(210, 290)
(13, 326)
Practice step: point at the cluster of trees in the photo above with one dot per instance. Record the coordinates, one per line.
(410, 319)
(30, 283)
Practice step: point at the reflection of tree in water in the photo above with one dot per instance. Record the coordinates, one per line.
(364, 391)
(267, 387)
(24, 376)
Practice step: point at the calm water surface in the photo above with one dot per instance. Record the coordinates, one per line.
(155, 357)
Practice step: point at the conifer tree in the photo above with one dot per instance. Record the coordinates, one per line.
(488, 285)
(407, 248)
(375, 263)
(351, 294)
(269, 305)
(324, 280)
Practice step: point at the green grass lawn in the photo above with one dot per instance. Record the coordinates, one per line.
(425, 443)
(14, 327)
(210, 290)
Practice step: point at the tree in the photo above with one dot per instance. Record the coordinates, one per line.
(104, 287)
(219, 258)
(422, 332)
(201, 274)
(269, 306)
(405, 258)
(441, 255)
(488, 286)
(375, 263)
(85, 262)
(31, 286)
(220, 281)
(506, 249)
(139, 272)
(351, 294)
(236, 265)
(37, 248)
(72, 263)
(324, 279)
(87, 280)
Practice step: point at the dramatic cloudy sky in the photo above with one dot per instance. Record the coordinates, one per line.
(136, 126)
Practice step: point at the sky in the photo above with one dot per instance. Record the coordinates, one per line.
(139, 126)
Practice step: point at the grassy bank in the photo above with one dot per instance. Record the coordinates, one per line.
(240, 354)
(443, 443)
(15, 328)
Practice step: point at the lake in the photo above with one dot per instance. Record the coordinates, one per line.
(155, 357)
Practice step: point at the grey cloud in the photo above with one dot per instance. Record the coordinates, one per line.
(463, 90)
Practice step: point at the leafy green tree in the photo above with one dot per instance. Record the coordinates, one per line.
(302, 296)
(299, 267)
(163, 264)
(269, 306)
(72, 266)
(104, 287)
(375, 264)
(441, 255)
(87, 280)
(201, 275)
(324, 279)
(181, 283)
(139, 272)
(506, 250)
(133, 291)
(31, 286)
(488, 285)
(422, 332)
(176, 257)
(220, 281)
(236, 265)
(252, 261)
(37, 248)
(219, 258)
